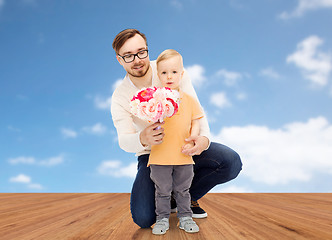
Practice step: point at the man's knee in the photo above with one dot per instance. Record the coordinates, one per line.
(230, 161)
(235, 165)
(144, 221)
(142, 206)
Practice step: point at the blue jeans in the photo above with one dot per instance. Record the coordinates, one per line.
(216, 165)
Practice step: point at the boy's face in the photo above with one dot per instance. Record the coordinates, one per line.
(170, 72)
(138, 67)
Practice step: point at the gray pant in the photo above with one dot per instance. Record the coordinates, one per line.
(172, 177)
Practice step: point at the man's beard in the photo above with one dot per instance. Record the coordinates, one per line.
(141, 73)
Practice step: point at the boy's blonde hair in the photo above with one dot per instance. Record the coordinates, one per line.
(167, 54)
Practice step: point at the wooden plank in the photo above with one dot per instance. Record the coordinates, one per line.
(100, 216)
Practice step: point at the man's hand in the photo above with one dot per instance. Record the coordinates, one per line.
(201, 143)
(151, 135)
(188, 145)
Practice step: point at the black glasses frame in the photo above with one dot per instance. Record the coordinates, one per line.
(135, 55)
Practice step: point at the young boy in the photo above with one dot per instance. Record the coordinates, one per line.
(171, 170)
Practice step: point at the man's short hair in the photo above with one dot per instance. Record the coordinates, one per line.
(123, 36)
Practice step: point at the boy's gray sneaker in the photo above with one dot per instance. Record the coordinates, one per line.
(161, 226)
(188, 224)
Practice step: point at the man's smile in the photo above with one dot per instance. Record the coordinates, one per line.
(139, 67)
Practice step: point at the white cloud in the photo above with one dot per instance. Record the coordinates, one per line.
(2, 3)
(13, 129)
(177, 4)
(210, 117)
(24, 179)
(270, 73)
(30, 2)
(116, 84)
(294, 152)
(315, 65)
(306, 5)
(241, 96)
(68, 133)
(230, 78)
(21, 178)
(220, 100)
(22, 97)
(103, 103)
(41, 38)
(230, 189)
(97, 129)
(22, 160)
(52, 161)
(116, 169)
(196, 73)
(36, 186)
(236, 4)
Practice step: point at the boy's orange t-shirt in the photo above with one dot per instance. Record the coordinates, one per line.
(177, 129)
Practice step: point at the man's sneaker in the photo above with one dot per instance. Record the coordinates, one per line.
(161, 226)
(173, 205)
(198, 212)
(188, 224)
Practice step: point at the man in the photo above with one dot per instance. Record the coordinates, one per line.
(214, 162)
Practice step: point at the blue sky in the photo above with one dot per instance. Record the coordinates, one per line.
(262, 71)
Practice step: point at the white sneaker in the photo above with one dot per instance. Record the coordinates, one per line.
(161, 226)
(188, 224)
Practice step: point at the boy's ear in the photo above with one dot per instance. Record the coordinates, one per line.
(182, 73)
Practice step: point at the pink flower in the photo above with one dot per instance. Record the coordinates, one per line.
(145, 94)
(155, 104)
(175, 106)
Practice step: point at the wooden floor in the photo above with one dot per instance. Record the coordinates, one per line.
(99, 216)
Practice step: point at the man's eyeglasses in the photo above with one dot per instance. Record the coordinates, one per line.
(128, 58)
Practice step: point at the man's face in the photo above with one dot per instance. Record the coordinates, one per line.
(138, 67)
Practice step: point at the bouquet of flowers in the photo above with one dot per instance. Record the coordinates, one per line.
(155, 104)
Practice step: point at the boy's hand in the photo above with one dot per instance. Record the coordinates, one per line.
(151, 135)
(200, 144)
